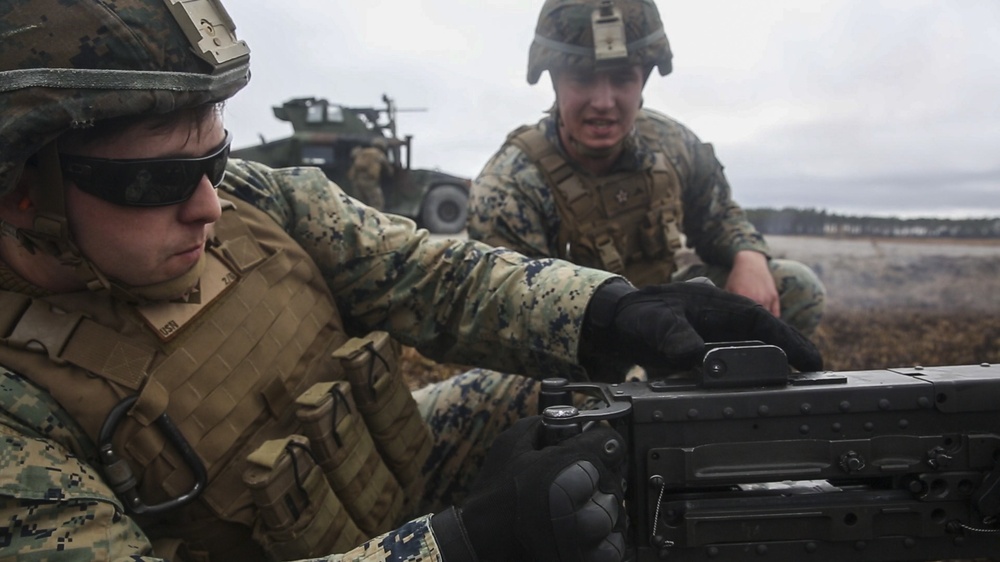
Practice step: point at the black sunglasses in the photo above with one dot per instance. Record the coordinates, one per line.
(146, 182)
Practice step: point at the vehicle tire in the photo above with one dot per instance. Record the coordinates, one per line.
(445, 209)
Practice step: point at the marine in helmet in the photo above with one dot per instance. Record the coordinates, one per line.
(198, 354)
(369, 168)
(604, 182)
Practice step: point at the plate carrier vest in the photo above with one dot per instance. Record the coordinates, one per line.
(310, 440)
(625, 222)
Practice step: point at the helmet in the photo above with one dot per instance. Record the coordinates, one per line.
(68, 63)
(381, 144)
(628, 32)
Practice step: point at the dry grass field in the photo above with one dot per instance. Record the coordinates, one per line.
(891, 303)
(904, 302)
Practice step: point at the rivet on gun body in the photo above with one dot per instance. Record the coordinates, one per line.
(763, 410)
(692, 413)
(883, 404)
(845, 406)
(805, 408)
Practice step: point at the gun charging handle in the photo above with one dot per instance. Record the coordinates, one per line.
(562, 420)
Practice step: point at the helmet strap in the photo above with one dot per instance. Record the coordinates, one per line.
(51, 234)
(178, 287)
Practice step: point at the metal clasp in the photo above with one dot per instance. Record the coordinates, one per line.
(120, 475)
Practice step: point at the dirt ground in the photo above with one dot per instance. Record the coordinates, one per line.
(891, 303)
(904, 302)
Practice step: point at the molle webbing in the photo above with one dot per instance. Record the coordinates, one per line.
(300, 516)
(624, 222)
(231, 379)
(388, 407)
(366, 438)
(233, 375)
(343, 448)
(37, 325)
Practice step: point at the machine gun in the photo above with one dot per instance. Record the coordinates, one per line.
(744, 460)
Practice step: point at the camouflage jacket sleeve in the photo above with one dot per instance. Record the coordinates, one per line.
(715, 225)
(454, 300)
(511, 205)
(53, 504)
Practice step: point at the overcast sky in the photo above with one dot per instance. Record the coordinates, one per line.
(888, 107)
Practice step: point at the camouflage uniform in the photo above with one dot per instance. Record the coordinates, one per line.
(384, 274)
(512, 205)
(369, 166)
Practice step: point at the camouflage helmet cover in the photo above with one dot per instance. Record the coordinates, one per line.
(68, 63)
(564, 36)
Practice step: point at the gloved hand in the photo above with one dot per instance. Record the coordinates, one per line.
(671, 323)
(560, 503)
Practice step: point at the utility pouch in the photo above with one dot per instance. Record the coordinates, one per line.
(388, 407)
(299, 515)
(343, 448)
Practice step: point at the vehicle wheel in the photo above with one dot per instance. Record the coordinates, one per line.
(445, 209)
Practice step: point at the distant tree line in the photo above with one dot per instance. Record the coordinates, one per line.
(821, 223)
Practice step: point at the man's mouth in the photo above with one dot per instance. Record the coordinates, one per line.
(192, 250)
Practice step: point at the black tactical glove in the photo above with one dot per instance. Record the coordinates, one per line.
(561, 502)
(668, 325)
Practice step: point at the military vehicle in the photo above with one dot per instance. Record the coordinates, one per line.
(325, 133)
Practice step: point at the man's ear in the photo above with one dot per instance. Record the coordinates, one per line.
(17, 207)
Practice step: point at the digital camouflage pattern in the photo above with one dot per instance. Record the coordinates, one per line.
(564, 36)
(515, 314)
(524, 317)
(72, 511)
(369, 166)
(511, 205)
(68, 63)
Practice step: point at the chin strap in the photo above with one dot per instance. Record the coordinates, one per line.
(51, 234)
(171, 289)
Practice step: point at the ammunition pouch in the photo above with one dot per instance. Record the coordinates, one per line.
(299, 515)
(357, 470)
(388, 407)
(344, 449)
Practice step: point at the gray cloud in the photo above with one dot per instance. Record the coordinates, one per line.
(862, 106)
